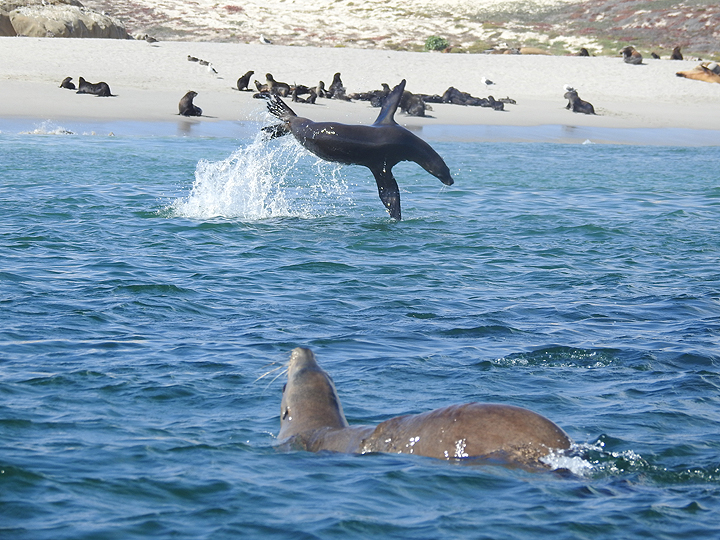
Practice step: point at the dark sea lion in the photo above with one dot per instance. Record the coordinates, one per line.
(676, 54)
(244, 81)
(378, 147)
(312, 419)
(654, 56)
(583, 52)
(576, 104)
(186, 106)
(67, 83)
(276, 87)
(99, 89)
(412, 104)
(631, 56)
(337, 90)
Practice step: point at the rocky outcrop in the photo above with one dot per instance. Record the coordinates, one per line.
(56, 18)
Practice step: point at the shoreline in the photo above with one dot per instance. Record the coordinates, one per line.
(248, 129)
(149, 80)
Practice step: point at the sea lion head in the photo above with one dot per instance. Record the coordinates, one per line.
(309, 400)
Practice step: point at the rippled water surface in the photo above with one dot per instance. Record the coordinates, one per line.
(146, 284)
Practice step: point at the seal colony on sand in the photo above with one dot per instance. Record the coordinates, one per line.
(378, 147)
(312, 419)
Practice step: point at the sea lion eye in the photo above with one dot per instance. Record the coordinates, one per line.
(286, 412)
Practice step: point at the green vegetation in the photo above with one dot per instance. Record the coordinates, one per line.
(436, 43)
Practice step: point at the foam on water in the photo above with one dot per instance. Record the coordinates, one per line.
(264, 180)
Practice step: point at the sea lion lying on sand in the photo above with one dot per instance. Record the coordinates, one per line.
(707, 71)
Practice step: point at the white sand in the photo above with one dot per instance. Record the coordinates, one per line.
(149, 80)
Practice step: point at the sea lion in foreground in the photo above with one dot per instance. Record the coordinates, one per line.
(186, 106)
(707, 72)
(311, 418)
(378, 147)
(99, 89)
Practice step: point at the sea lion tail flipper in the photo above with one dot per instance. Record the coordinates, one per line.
(390, 105)
(389, 192)
(279, 108)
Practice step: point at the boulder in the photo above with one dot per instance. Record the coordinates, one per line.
(6, 27)
(59, 18)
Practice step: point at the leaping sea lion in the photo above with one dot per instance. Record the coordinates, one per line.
(378, 147)
(312, 419)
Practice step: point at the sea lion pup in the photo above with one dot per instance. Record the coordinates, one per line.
(244, 81)
(631, 56)
(676, 54)
(312, 419)
(186, 106)
(67, 83)
(378, 147)
(100, 89)
(583, 52)
(576, 104)
(706, 71)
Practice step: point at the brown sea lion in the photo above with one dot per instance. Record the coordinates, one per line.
(186, 106)
(312, 418)
(379, 147)
(676, 54)
(631, 56)
(99, 89)
(707, 71)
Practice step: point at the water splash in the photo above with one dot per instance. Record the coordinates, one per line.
(48, 128)
(264, 180)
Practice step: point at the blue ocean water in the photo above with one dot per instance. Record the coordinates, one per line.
(148, 283)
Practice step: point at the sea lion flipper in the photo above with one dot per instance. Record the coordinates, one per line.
(279, 108)
(389, 192)
(274, 131)
(386, 116)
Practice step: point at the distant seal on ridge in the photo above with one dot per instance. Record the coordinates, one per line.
(378, 147)
(186, 106)
(101, 89)
(312, 419)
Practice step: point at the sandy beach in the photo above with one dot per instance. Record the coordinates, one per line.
(148, 80)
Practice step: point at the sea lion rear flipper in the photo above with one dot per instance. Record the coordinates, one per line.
(389, 192)
(279, 108)
(275, 131)
(390, 105)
